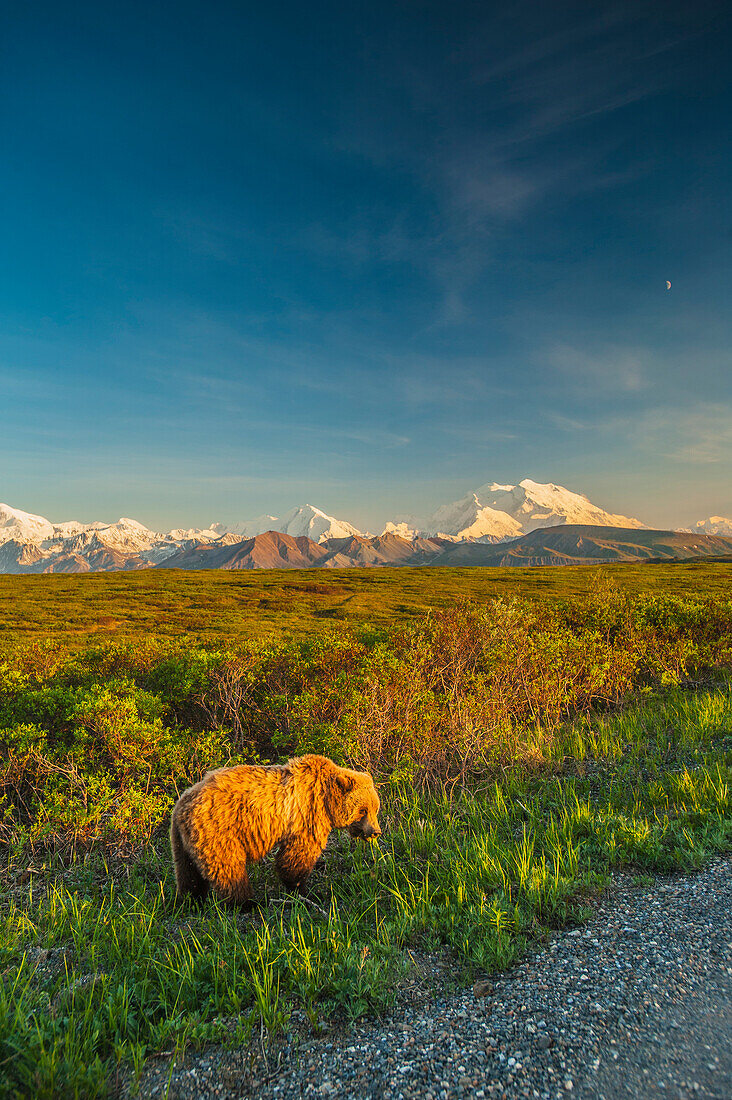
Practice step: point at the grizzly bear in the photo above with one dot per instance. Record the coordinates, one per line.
(234, 816)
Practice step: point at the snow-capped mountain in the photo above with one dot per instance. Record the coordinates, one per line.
(496, 512)
(22, 526)
(535, 505)
(30, 543)
(304, 520)
(714, 525)
(18, 556)
(126, 535)
(471, 518)
(250, 528)
(198, 534)
(404, 528)
(317, 525)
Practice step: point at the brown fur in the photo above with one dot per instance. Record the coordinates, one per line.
(234, 816)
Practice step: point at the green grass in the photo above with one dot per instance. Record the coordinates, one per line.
(524, 748)
(210, 604)
(479, 875)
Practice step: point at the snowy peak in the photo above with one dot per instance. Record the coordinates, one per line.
(403, 529)
(714, 525)
(548, 505)
(304, 520)
(250, 528)
(127, 535)
(316, 525)
(33, 540)
(472, 517)
(496, 511)
(201, 534)
(198, 534)
(22, 526)
(73, 527)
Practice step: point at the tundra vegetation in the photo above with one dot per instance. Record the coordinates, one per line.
(527, 742)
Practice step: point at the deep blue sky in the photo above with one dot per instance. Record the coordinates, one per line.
(365, 254)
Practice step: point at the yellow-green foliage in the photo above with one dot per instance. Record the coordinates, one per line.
(525, 748)
(477, 872)
(274, 603)
(96, 745)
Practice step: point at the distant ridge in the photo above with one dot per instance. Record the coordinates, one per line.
(273, 550)
(566, 545)
(580, 544)
(486, 527)
(270, 550)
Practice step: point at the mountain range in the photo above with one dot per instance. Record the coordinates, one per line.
(485, 527)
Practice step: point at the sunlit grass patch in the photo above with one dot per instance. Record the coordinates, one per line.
(478, 874)
(523, 754)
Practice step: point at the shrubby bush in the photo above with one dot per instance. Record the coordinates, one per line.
(95, 746)
(94, 763)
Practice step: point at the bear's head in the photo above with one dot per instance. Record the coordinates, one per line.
(355, 805)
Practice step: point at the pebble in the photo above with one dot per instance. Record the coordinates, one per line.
(638, 1003)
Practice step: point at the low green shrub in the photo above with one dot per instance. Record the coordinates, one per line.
(95, 745)
(103, 969)
(524, 751)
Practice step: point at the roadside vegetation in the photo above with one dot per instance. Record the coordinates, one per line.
(524, 748)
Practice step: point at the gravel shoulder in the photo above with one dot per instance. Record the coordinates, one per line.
(636, 1003)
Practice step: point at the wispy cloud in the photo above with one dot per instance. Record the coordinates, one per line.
(368, 437)
(701, 435)
(617, 369)
(486, 435)
(698, 434)
(569, 424)
(497, 117)
(579, 66)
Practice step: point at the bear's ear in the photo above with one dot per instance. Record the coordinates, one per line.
(346, 783)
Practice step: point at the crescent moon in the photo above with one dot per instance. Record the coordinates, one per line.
(668, 285)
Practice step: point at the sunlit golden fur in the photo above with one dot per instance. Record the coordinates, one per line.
(234, 816)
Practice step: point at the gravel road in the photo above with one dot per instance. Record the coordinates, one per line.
(636, 1003)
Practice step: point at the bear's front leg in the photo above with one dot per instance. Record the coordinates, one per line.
(294, 860)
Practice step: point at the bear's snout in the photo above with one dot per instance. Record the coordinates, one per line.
(364, 830)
